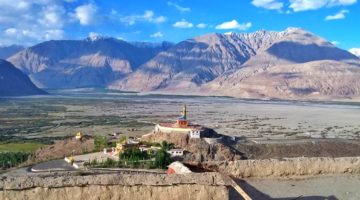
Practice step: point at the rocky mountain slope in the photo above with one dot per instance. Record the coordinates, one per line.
(14, 83)
(291, 64)
(93, 62)
(8, 51)
(312, 80)
(194, 62)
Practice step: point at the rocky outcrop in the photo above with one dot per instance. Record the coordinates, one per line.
(287, 167)
(208, 186)
(63, 148)
(197, 150)
(14, 83)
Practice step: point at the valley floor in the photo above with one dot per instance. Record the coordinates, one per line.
(98, 112)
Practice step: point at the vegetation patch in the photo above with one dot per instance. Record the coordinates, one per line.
(12, 159)
(26, 147)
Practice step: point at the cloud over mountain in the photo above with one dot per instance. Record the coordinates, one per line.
(339, 15)
(86, 14)
(183, 24)
(268, 4)
(233, 24)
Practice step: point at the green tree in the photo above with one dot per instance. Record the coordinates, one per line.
(109, 162)
(12, 159)
(162, 159)
(133, 154)
(167, 146)
(100, 142)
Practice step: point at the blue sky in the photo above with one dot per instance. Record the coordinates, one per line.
(31, 21)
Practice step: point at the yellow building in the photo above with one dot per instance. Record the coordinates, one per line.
(78, 136)
(121, 147)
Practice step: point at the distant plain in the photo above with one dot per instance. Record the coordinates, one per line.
(102, 112)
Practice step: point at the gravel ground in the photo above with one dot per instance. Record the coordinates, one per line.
(319, 187)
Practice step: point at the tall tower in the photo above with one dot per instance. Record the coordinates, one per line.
(181, 122)
(184, 112)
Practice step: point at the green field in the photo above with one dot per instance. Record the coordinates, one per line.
(19, 147)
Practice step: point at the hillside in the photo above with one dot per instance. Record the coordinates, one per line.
(290, 64)
(299, 66)
(14, 83)
(194, 62)
(93, 62)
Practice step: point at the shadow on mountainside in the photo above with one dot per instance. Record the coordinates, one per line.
(300, 53)
(256, 194)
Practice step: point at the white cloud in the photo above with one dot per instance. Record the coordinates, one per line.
(148, 16)
(355, 51)
(341, 2)
(233, 24)
(86, 14)
(10, 31)
(303, 5)
(183, 24)
(27, 22)
(339, 15)
(268, 4)
(52, 16)
(178, 7)
(201, 25)
(157, 35)
(53, 34)
(158, 20)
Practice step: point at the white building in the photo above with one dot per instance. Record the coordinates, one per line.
(196, 134)
(176, 152)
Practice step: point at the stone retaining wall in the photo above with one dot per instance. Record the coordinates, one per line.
(116, 186)
(288, 167)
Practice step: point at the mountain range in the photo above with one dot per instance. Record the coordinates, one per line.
(14, 83)
(8, 51)
(291, 64)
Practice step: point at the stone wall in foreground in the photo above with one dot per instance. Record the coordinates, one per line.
(207, 186)
(287, 167)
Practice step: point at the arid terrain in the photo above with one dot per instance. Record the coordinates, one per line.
(269, 130)
(103, 112)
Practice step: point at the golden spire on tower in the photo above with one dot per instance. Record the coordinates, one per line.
(184, 112)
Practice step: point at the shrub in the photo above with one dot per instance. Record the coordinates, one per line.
(100, 142)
